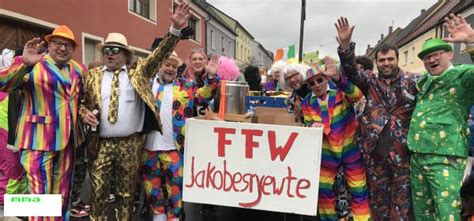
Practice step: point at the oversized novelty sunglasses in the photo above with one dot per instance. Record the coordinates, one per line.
(319, 81)
(114, 50)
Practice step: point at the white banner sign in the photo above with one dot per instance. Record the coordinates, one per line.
(257, 166)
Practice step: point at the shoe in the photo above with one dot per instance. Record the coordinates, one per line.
(81, 206)
(111, 198)
(79, 213)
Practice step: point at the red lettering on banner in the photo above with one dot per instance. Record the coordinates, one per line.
(299, 186)
(249, 143)
(279, 151)
(223, 179)
(221, 141)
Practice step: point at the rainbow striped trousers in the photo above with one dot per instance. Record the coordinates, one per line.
(49, 172)
(346, 154)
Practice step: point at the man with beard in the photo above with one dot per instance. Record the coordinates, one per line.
(120, 92)
(163, 155)
(383, 126)
(438, 135)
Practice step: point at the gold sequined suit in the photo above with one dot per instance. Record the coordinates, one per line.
(122, 154)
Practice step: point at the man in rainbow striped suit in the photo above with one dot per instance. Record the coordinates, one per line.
(48, 129)
(330, 105)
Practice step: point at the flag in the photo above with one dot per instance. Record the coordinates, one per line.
(285, 53)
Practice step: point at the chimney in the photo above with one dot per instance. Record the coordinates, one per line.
(368, 51)
(423, 11)
(381, 37)
(390, 29)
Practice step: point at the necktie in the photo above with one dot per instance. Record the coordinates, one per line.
(325, 116)
(114, 100)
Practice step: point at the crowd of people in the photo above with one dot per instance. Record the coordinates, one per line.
(395, 144)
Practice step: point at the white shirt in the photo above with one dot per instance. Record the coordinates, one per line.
(6, 58)
(131, 109)
(154, 140)
(319, 99)
(263, 79)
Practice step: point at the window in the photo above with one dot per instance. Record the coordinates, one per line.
(143, 8)
(213, 43)
(90, 51)
(223, 46)
(405, 57)
(241, 55)
(194, 23)
(412, 57)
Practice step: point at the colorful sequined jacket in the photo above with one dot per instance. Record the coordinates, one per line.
(336, 112)
(439, 122)
(388, 106)
(186, 94)
(48, 117)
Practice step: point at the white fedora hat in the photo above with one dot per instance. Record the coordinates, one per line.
(115, 40)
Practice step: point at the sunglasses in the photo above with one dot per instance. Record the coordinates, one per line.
(319, 81)
(114, 50)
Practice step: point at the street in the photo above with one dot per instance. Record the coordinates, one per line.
(193, 212)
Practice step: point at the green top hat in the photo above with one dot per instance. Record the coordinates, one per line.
(434, 44)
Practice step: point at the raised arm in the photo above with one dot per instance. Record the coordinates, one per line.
(32, 53)
(460, 31)
(351, 92)
(347, 55)
(169, 42)
(211, 83)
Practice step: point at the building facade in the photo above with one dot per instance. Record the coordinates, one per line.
(428, 25)
(261, 56)
(139, 20)
(243, 45)
(220, 36)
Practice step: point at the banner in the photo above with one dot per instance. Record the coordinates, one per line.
(311, 57)
(255, 166)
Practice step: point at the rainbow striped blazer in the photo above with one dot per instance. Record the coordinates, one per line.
(48, 117)
(337, 113)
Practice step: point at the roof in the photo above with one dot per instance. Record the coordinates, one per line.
(270, 55)
(235, 22)
(390, 38)
(207, 7)
(427, 21)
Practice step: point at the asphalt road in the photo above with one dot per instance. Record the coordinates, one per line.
(193, 212)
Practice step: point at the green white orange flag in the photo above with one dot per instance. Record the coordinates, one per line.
(285, 53)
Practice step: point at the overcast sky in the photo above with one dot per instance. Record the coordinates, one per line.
(276, 23)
